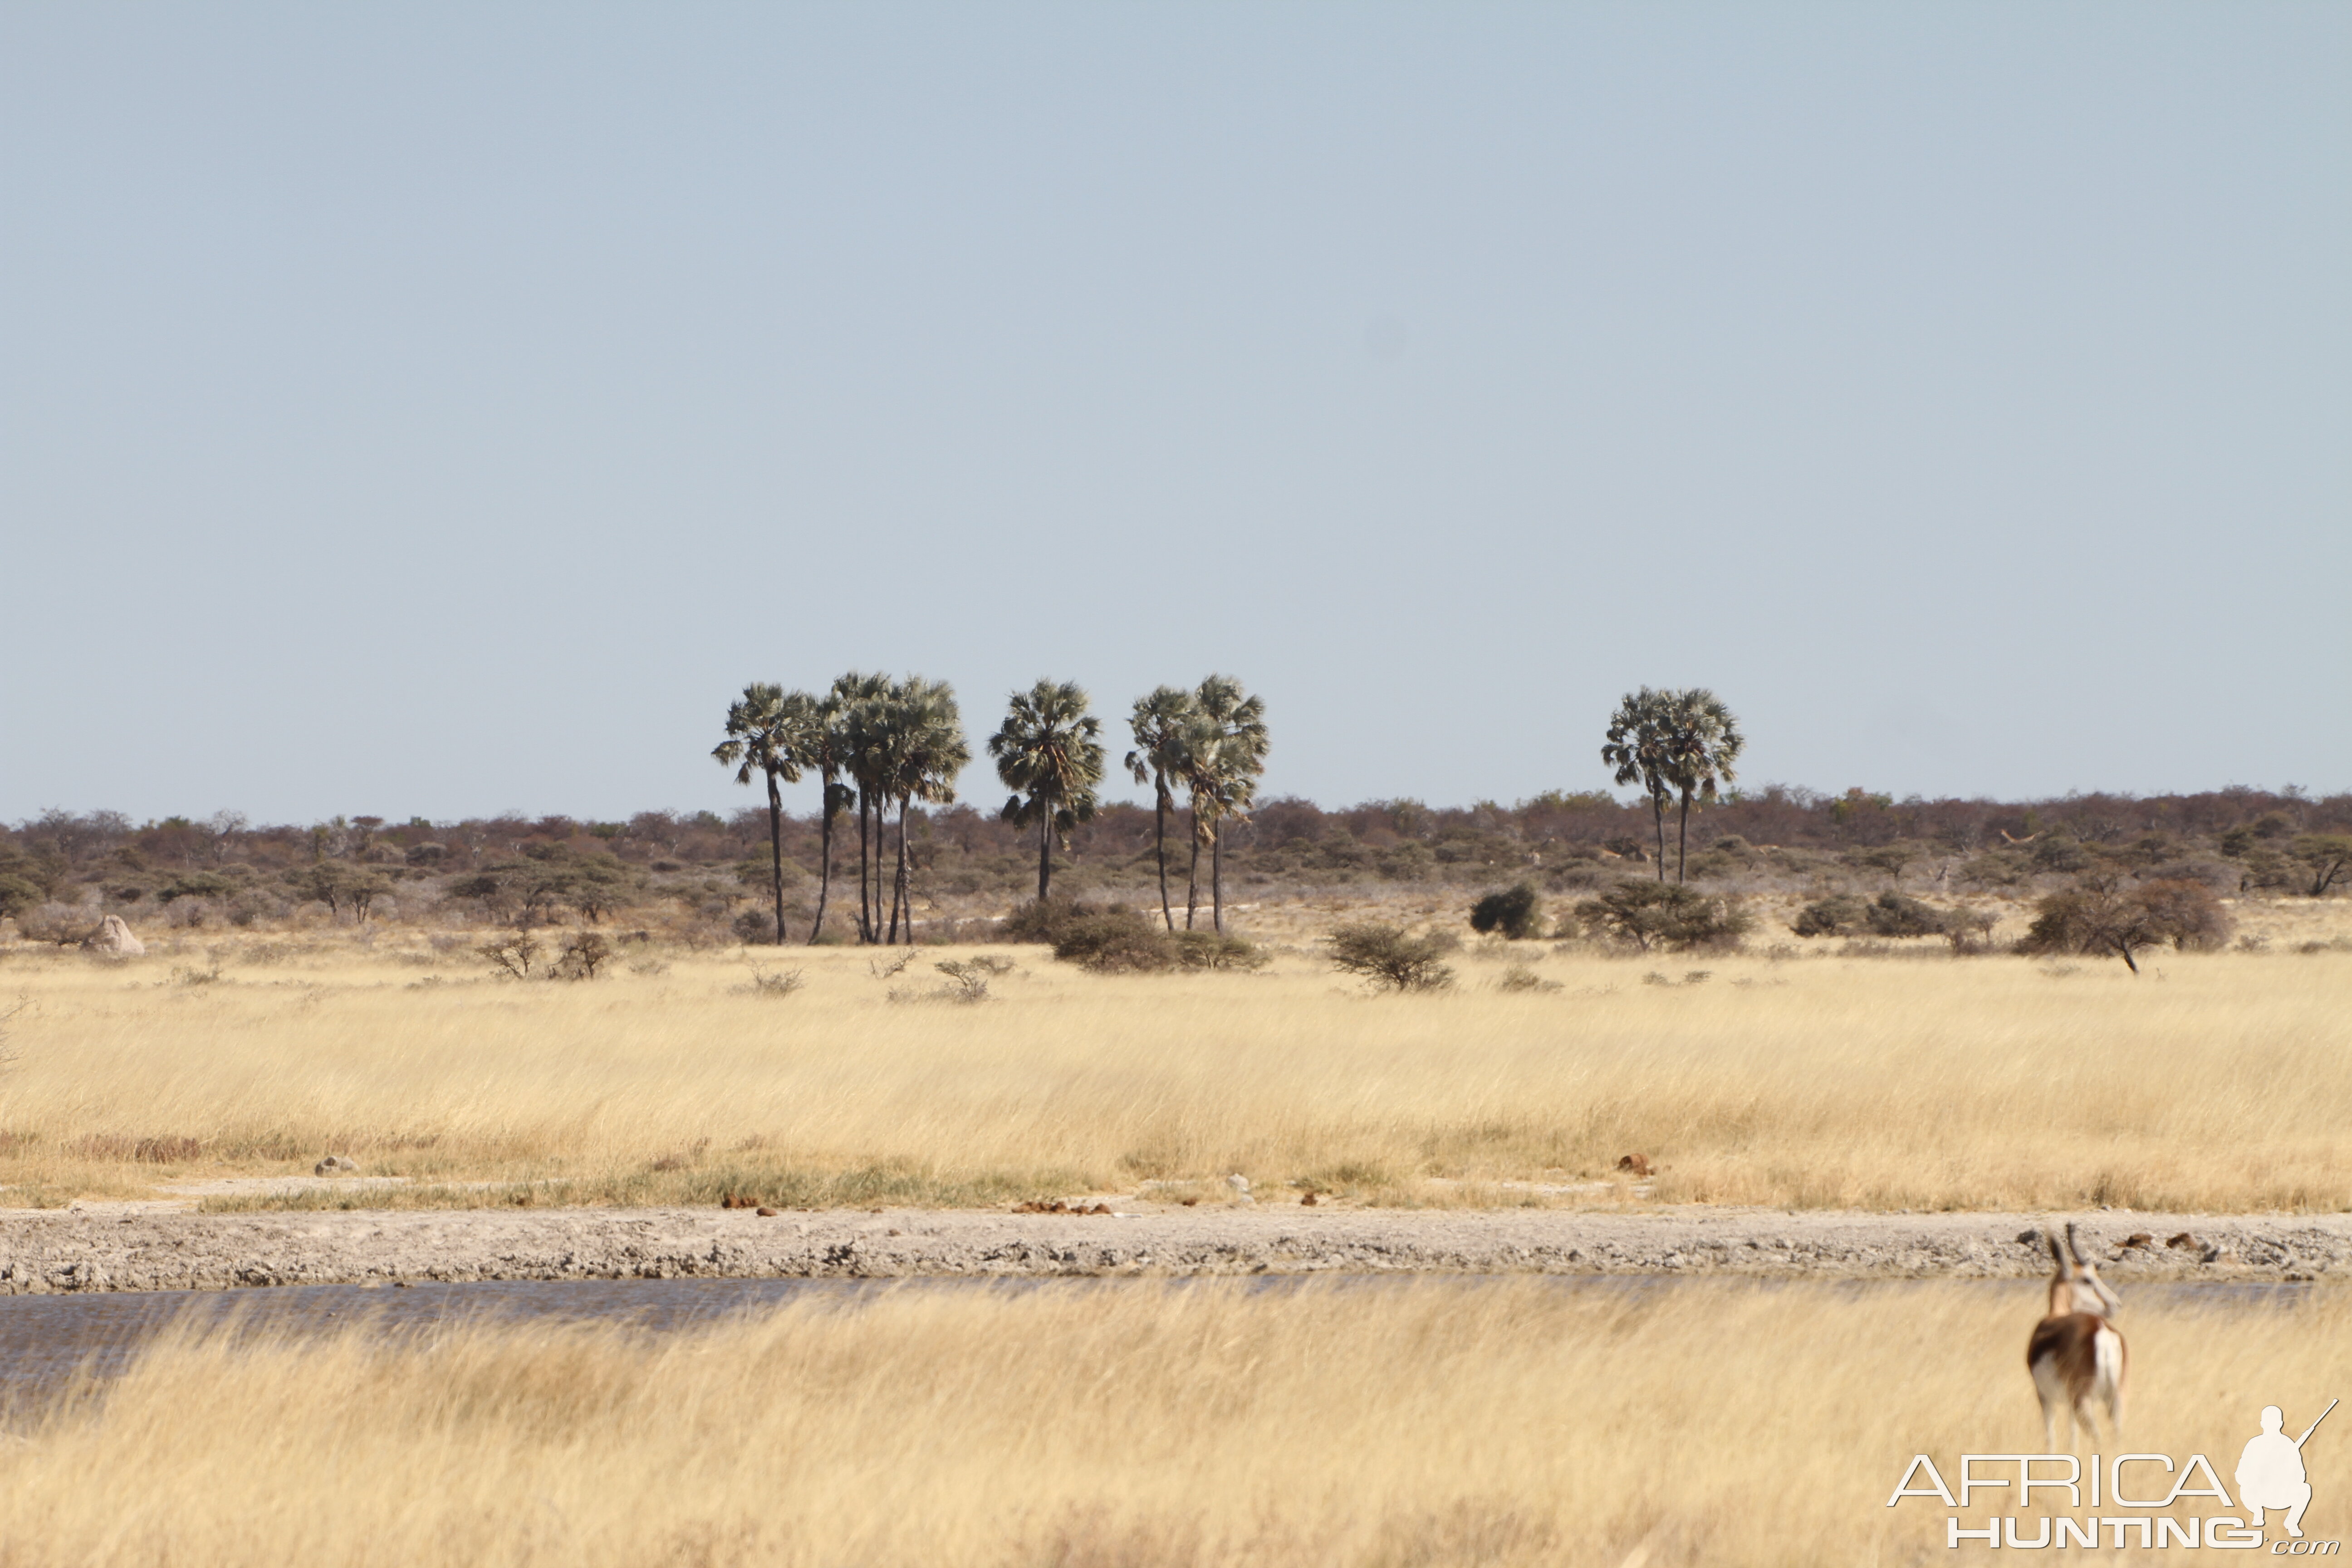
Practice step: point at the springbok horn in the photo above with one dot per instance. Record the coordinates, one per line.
(2072, 1245)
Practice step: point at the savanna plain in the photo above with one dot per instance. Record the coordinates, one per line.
(1150, 1422)
(830, 1076)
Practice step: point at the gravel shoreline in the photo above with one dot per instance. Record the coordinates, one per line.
(91, 1248)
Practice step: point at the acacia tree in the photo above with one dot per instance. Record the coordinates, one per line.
(1636, 748)
(2330, 857)
(1225, 746)
(765, 729)
(1047, 754)
(1159, 723)
(1701, 741)
(924, 752)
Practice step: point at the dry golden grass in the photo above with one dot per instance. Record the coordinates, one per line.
(2211, 1083)
(1142, 1425)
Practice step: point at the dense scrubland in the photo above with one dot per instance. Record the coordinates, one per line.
(703, 878)
(1142, 1424)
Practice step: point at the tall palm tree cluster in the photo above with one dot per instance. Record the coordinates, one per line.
(1210, 742)
(1673, 743)
(879, 745)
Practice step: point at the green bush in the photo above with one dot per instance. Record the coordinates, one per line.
(1207, 950)
(1895, 915)
(1042, 919)
(1515, 912)
(19, 896)
(1666, 915)
(1385, 956)
(1839, 916)
(1115, 942)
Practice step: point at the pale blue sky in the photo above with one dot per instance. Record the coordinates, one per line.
(437, 409)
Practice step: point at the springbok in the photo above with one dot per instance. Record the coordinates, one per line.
(2076, 1356)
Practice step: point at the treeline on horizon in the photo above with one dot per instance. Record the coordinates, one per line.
(2238, 838)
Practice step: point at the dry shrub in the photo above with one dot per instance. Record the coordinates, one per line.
(1386, 957)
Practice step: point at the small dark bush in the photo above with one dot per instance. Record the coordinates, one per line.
(1115, 942)
(1839, 916)
(1665, 915)
(1042, 919)
(1384, 955)
(1516, 913)
(196, 885)
(580, 955)
(1207, 950)
(756, 927)
(1894, 914)
(2060, 855)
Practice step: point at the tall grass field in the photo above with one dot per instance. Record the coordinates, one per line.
(2212, 1082)
(1142, 1424)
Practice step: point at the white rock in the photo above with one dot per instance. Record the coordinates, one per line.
(115, 937)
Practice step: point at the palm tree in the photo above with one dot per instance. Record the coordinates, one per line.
(1636, 748)
(925, 753)
(827, 752)
(1046, 751)
(1158, 722)
(1701, 743)
(862, 702)
(766, 727)
(1225, 742)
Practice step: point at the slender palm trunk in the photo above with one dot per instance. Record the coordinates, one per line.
(898, 899)
(1160, 849)
(824, 875)
(1682, 838)
(1658, 811)
(864, 899)
(1217, 882)
(1044, 852)
(1193, 873)
(776, 848)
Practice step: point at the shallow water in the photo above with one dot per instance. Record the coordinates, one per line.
(43, 1339)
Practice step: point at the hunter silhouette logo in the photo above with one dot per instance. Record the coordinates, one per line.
(2269, 1472)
